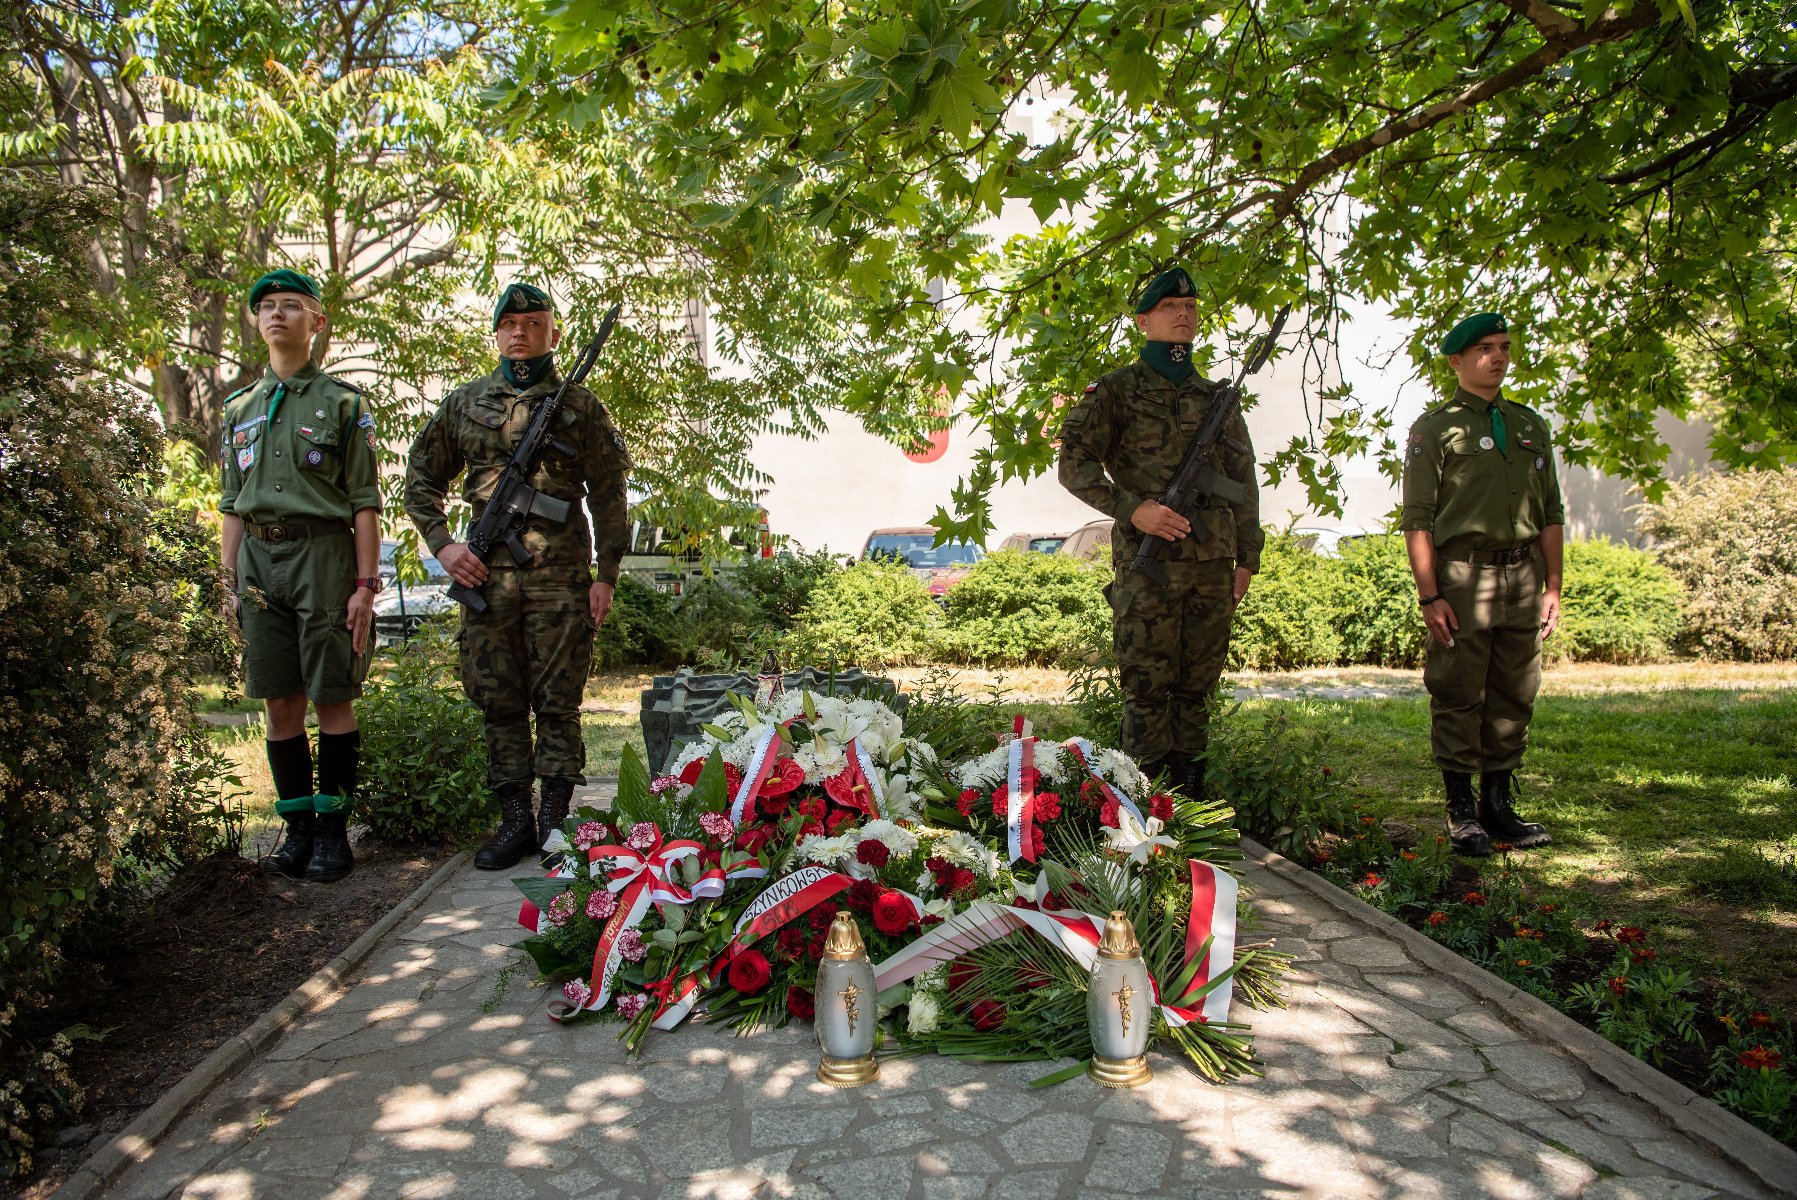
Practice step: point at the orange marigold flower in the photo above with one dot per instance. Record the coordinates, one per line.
(1644, 954)
(1407, 855)
(1368, 820)
(1729, 1023)
(1630, 935)
(1602, 925)
(1437, 918)
(1522, 962)
(1371, 880)
(1548, 908)
(1524, 934)
(1476, 899)
(1761, 1020)
(1323, 856)
(1619, 984)
(1760, 1058)
(1502, 846)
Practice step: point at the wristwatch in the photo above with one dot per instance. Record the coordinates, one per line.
(372, 583)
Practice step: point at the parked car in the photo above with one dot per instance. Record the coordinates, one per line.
(662, 559)
(402, 607)
(1326, 542)
(939, 568)
(1089, 541)
(1034, 543)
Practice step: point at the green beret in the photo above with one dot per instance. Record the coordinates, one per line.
(1173, 283)
(283, 280)
(1471, 330)
(521, 298)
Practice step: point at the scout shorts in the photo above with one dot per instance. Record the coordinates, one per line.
(295, 609)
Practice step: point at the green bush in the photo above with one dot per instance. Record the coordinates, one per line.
(1731, 540)
(639, 631)
(1618, 605)
(423, 776)
(1381, 624)
(873, 614)
(1014, 608)
(1282, 781)
(1293, 613)
(782, 585)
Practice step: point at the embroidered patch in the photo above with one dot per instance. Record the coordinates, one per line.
(371, 439)
(314, 457)
(241, 438)
(246, 458)
(367, 421)
(251, 423)
(617, 439)
(307, 431)
(319, 414)
(1486, 443)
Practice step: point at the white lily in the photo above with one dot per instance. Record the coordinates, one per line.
(1135, 838)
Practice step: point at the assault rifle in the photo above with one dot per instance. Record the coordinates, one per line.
(514, 501)
(1196, 481)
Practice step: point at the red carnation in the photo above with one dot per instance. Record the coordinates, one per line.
(967, 800)
(987, 1015)
(749, 972)
(1000, 796)
(814, 949)
(1160, 807)
(810, 829)
(786, 776)
(820, 918)
(861, 895)
(962, 881)
(1107, 815)
(1090, 792)
(961, 974)
(1048, 807)
(893, 914)
(941, 868)
(814, 806)
(1038, 841)
(873, 852)
(801, 1003)
(791, 942)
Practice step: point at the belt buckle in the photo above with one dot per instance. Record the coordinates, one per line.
(277, 533)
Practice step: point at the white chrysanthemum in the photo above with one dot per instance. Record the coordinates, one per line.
(924, 1013)
(902, 842)
(821, 761)
(964, 850)
(1120, 770)
(826, 851)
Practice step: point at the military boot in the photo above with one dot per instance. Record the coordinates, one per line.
(1464, 830)
(1191, 779)
(291, 857)
(552, 810)
(1154, 768)
(517, 833)
(1500, 820)
(331, 857)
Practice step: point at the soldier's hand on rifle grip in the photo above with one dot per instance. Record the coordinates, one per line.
(1153, 517)
(462, 565)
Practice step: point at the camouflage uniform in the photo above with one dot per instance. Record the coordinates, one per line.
(1485, 507)
(1120, 445)
(531, 650)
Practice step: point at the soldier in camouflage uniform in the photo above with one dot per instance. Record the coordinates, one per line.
(300, 507)
(1120, 447)
(531, 650)
(1483, 523)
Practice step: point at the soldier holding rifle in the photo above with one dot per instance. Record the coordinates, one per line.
(531, 599)
(1130, 434)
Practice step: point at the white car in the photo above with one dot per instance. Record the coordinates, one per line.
(399, 612)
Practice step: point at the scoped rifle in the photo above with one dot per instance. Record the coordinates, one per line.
(514, 501)
(1196, 481)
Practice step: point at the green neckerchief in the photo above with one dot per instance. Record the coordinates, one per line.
(1497, 429)
(1171, 359)
(525, 373)
(274, 401)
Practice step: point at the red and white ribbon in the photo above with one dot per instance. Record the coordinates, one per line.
(767, 749)
(1020, 793)
(862, 762)
(1212, 923)
(1083, 754)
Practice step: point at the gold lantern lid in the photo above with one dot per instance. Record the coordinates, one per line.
(844, 943)
(1119, 937)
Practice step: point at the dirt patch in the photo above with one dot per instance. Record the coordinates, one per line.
(223, 944)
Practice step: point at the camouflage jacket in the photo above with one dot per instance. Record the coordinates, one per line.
(477, 428)
(1122, 443)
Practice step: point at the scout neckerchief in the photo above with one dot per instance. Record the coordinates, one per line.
(1497, 429)
(522, 373)
(1171, 359)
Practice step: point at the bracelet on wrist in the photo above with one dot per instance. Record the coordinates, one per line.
(372, 583)
(1426, 601)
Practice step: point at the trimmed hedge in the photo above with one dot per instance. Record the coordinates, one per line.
(1014, 608)
(873, 614)
(1618, 605)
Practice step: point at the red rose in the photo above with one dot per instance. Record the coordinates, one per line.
(873, 852)
(786, 776)
(814, 806)
(1053, 900)
(1048, 807)
(967, 800)
(1107, 815)
(893, 914)
(791, 942)
(749, 972)
(839, 818)
(963, 880)
(1160, 807)
(1031, 976)
(961, 974)
(801, 1003)
(987, 1015)
(861, 895)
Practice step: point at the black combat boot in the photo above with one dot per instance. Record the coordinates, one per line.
(1500, 820)
(552, 810)
(1463, 818)
(517, 833)
(1191, 779)
(1154, 768)
(291, 857)
(331, 859)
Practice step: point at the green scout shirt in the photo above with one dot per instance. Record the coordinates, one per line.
(1460, 487)
(1122, 443)
(478, 427)
(308, 455)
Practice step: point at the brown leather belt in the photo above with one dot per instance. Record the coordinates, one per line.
(293, 531)
(1495, 558)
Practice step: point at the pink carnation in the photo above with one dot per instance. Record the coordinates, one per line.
(663, 783)
(642, 836)
(577, 992)
(630, 945)
(561, 909)
(717, 826)
(631, 1007)
(601, 904)
(590, 834)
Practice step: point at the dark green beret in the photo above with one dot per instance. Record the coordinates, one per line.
(283, 280)
(1471, 330)
(1174, 283)
(521, 298)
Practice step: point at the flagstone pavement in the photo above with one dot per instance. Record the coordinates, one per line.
(1383, 1079)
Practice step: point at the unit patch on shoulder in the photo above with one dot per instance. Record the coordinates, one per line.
(1090, 388)
(367, 421)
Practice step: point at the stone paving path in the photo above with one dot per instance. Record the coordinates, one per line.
(1383, 1080)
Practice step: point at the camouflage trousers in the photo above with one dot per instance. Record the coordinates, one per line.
(1482, 688)
(530, 653)
(1171, 643)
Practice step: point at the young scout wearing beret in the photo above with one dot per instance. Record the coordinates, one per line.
(300, 544)
(1483, 523)
(531, 650)
(1120, 446)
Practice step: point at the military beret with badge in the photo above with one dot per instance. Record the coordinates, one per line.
(1170, 283)
(283, 279)
(1467, 332)
(521, 298)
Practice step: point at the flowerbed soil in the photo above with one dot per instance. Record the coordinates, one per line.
(223, 944)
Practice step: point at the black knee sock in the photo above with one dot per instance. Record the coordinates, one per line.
(290, 762)
(338, 756)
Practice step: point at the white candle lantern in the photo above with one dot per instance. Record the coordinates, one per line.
(847, 1009)
(1120, 1008)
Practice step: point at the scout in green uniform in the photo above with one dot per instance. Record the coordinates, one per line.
(300, 535)
(1483, 523)
(1120, 446)
(529, 653)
